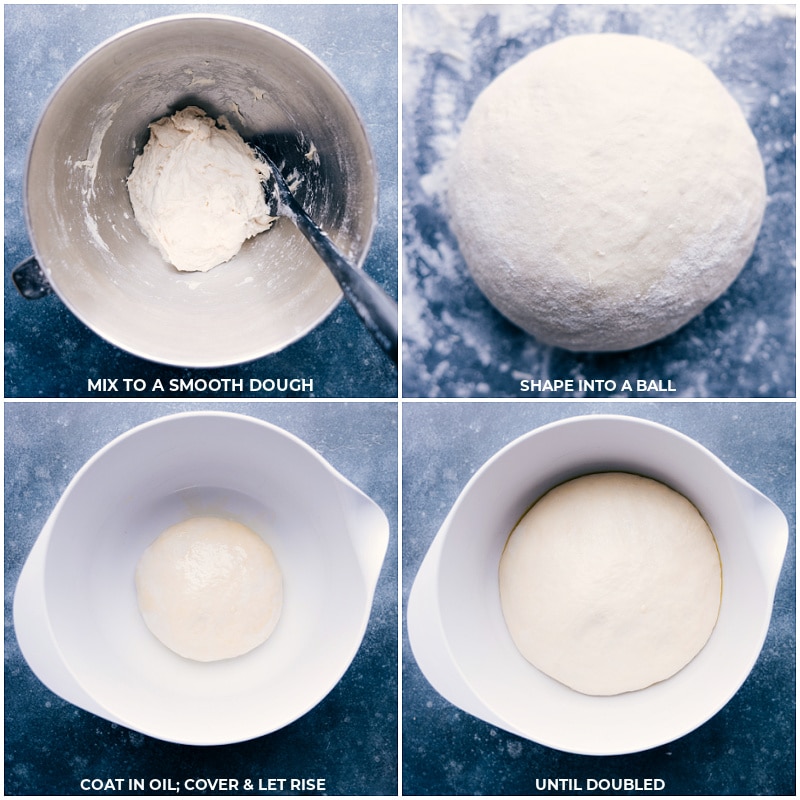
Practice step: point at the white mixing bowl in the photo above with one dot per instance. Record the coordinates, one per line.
(80, 219)
(75, 608)
(455, 621)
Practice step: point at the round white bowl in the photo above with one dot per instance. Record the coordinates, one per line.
(75, 607)
(455, 621)
(80, 219)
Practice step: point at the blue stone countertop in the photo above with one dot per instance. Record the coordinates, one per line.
(456, 344)
(48, 351)
(747, 748)
(349, 739)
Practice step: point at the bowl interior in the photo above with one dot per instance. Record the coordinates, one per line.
(536, 705)
(82, 225)
(146, 481)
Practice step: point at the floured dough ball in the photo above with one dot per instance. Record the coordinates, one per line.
(209, 588)
(196, 190)
(610, 583)
(604, 190)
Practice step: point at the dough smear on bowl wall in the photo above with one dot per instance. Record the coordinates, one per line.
(605, 190)
(610, 583)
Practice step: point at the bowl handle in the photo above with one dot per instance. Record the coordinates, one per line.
(770, 538)
(429, 643)
(30, 280)
(368, 528)
(35, 636)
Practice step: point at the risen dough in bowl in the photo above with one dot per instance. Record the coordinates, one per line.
(604, 190)
(209, 588)
(610, 582)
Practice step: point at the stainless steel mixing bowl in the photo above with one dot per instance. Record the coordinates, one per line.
(79, 216)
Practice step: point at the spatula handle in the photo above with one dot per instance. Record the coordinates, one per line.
(373, 306)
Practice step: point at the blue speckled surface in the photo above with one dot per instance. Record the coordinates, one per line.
(455, 343)
(350, 738)
(748, 748)
(48, 352)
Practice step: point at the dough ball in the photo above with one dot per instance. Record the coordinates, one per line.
(209, 588)
(604, 190)
(610, 583)
(196, 191)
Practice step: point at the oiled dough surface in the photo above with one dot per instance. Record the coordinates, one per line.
(611, 582)
(209, 588)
